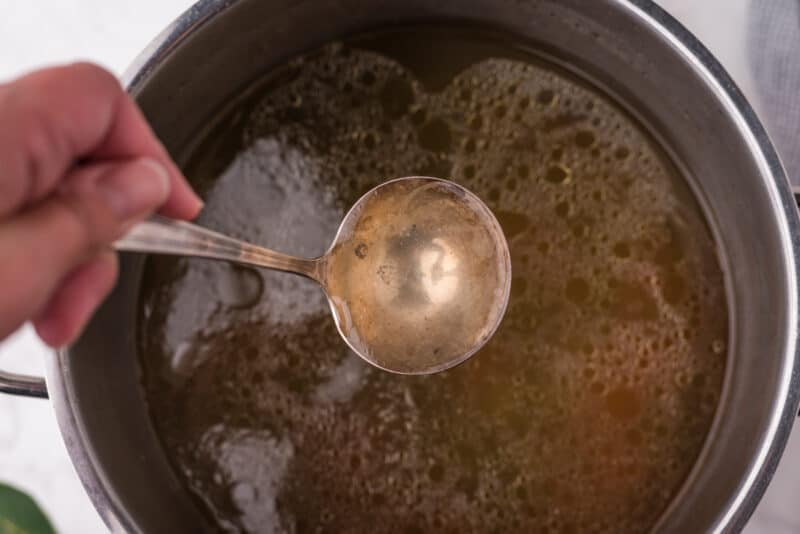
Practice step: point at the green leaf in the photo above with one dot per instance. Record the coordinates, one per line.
(19, 514)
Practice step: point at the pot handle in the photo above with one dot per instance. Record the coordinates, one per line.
(23, 385)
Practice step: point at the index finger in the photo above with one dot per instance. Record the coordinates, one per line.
(55, 117)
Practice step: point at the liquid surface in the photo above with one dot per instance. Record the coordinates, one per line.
(586, 410)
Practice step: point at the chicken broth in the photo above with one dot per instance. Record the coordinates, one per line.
(587, 409)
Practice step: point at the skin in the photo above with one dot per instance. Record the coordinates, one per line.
(78, 166)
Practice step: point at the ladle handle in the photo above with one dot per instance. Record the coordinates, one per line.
(161, 235)
(24, 385)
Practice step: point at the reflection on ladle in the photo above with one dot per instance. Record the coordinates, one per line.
(418, 275)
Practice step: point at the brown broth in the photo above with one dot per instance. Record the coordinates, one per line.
(587, 409)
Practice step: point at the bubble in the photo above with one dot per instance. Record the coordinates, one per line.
(562, 209)
(577, 290)
(436, 472)
(239, 287)
(622, 153)
(546, 97)
(396, 98)
(512, 223)
(584, 139)
(622, 250)
(579, 230)
(370, 140)
(557, 174)
(419, 116)
(476, 123)
(681, 379)
(368, 78)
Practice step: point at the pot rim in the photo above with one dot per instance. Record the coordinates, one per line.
(741, 506)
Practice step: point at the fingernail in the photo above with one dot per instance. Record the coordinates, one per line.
(137, 188)
(198, 204)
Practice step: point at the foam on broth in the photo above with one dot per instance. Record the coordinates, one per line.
(587, 409)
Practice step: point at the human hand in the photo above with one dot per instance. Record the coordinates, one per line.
(78, 166)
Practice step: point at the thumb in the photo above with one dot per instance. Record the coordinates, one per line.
(42, 245)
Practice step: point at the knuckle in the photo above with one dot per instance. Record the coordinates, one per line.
(43, 148)
(74, 220)
(96, 75)
(37, 149)
(85, 221)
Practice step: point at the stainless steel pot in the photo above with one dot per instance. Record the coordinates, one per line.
(632, 48)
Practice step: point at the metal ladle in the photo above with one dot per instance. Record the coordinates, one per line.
(418, 275)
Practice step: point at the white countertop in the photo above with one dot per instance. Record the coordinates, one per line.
(111, 32)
